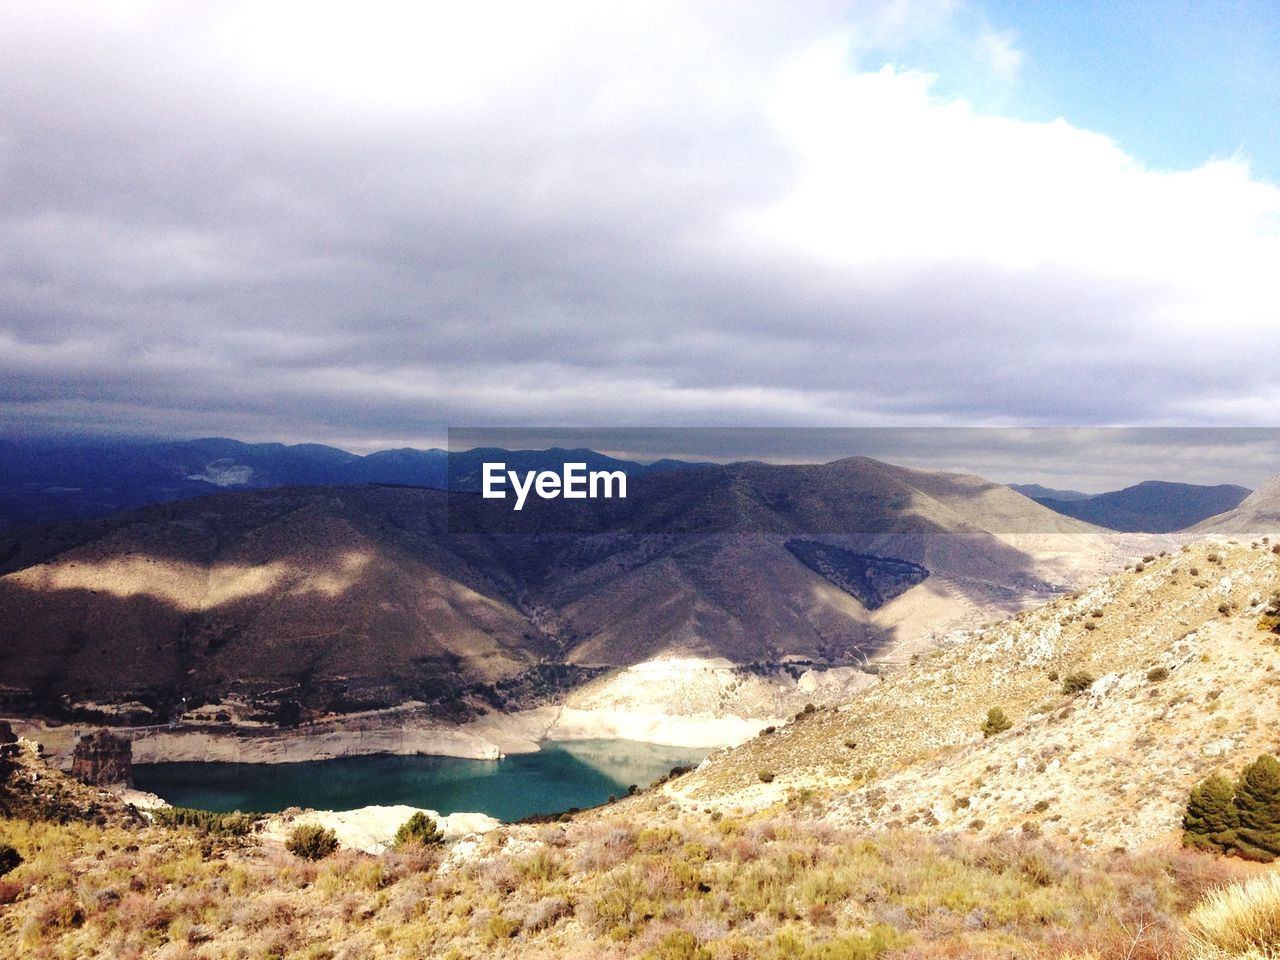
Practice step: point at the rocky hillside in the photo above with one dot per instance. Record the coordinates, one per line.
(1119, 698)
(307, 601)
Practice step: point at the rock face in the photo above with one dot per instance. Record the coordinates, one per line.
(103, 759)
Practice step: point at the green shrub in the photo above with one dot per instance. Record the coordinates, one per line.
(996, 722)
(766, 776)
(233, 824)
(311, 842)
(10, 859)
(1077, 681)
(1156, 674)
(419, 829)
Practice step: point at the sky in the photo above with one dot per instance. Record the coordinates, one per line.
(363, 224)
(1081, 459)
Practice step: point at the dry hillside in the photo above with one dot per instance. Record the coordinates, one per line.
(1178, 674)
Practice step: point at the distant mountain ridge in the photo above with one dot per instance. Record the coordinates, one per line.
(52, 480)
(1153, 506)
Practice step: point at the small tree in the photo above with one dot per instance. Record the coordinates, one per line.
(311, 842)
(1211, 818)
(996, 722)
(419, 829)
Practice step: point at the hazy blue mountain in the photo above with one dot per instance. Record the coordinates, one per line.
(48, 480)
(1153, 506)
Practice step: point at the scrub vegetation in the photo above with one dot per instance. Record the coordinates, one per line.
(687, 886)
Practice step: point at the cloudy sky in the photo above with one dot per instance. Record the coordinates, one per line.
(363, 223)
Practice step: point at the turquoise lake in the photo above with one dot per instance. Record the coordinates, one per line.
(560, 776)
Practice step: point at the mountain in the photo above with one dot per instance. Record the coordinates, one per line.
(1258, 513)
(1153, 506)
(1037, 492)
(51, 480)
(331, 599)
(886, 827)
(1121, 697)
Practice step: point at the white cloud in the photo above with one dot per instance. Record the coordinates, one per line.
(577, 212)
(999, 49)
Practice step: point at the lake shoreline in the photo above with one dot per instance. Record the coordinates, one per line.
(491, 737)
(560, 777)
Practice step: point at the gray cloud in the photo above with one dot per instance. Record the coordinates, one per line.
(204, 241)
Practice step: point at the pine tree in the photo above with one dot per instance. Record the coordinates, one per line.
(1211, 818)
(1258, 805)
(419, 829)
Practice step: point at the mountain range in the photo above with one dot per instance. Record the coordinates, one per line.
(48, 480)
(339, 598)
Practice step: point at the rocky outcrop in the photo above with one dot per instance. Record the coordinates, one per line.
(103, 759)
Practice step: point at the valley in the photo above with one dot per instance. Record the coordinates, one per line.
(887, 822)
(300, 623)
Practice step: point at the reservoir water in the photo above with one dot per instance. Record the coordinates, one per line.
(561, 775)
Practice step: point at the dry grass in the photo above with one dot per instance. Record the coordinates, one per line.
(1239, 921)
(681, 887)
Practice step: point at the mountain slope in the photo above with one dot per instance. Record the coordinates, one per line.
(1183, 660)
(1258, 513)
(1153, 506)
(345, 597)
